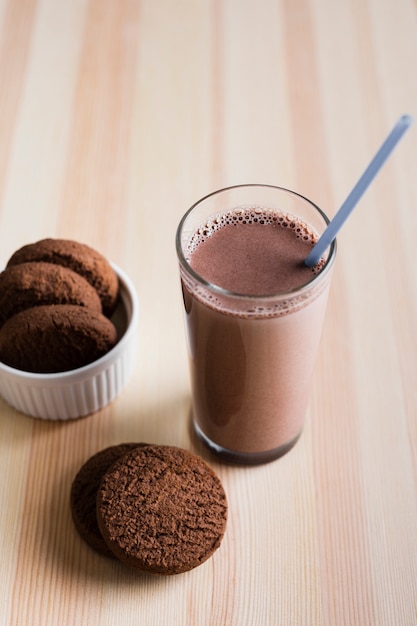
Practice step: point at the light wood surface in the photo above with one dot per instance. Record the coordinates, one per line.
(115, 116)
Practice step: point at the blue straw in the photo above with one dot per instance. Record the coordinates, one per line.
(359, 189)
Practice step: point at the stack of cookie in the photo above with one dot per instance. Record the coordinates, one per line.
(56, 298)
(159, 509)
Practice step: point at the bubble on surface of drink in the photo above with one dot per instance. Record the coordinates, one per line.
(251, 215)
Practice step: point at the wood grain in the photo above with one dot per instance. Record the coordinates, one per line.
(115, 116)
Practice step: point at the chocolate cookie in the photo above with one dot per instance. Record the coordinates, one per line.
(34, 284)
(80, 258)
(84, 493)
(55, 338)
(161, 509)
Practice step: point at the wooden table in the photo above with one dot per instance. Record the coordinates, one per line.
(115, 116)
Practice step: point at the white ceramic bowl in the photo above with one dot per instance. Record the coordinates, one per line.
(79, 392)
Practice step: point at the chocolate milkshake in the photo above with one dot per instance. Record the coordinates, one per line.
(254, 314)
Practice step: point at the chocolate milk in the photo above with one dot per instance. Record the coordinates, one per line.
(253, 324)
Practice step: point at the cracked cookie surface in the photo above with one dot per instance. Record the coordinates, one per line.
(162, 509)
(80, 258)
(55, 338)
(84, 493)
(34, 284)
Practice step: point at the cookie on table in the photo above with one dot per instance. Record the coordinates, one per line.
(78, 257)
(84, 492)
(161, 509)
(33, 284)
(55, 338)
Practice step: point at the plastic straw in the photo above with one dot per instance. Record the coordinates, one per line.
(358, 190)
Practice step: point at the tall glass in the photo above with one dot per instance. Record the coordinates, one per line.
(251, 356)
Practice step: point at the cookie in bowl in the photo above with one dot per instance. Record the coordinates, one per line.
(80, 258)
(61, 357)
(34, 284)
